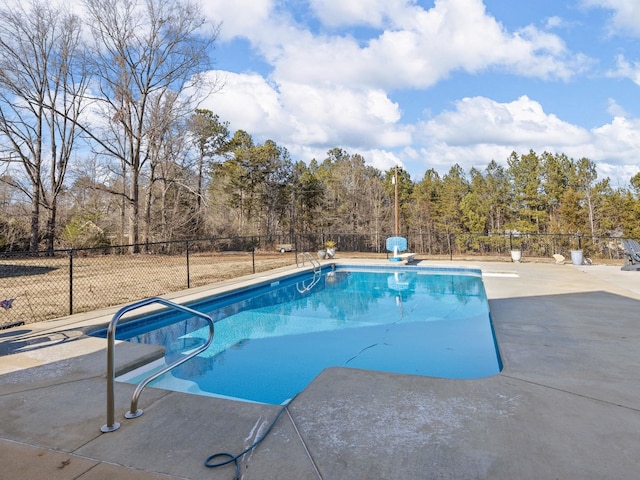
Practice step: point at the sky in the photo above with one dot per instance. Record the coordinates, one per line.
(428, 84)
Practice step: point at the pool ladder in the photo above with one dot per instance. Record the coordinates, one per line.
(302, 287)
(135, 412)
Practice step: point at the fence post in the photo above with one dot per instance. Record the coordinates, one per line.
(188, 270)
(450, 249)
(253, 254)
(71, 282)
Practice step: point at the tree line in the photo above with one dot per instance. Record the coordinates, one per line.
(259, 190)
(102, 142)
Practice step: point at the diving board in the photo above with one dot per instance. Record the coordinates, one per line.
(397, 245)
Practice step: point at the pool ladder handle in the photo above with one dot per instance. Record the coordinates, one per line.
(135, 412)
(317, 272)
(314, 262)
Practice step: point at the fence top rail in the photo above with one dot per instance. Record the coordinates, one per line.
(312, 236)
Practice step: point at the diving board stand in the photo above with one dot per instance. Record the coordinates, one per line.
(397, 245)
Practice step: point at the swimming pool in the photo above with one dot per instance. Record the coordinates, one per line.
(272, 339)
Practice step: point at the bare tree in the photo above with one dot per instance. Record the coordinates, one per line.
(211, 138)
(169, 170)
(142, 51)
(42, 84)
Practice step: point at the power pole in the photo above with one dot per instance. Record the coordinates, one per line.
(395, 182)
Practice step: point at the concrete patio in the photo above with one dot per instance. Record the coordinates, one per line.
(566, 405)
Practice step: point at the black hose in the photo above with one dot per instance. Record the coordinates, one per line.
(234, 458)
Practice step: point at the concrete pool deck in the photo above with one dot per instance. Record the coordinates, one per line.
(566, 405)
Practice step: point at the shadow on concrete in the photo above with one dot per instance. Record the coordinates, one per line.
(26, 344)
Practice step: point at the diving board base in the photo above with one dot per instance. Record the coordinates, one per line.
(409, 257)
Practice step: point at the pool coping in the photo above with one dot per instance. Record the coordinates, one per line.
(566, 404)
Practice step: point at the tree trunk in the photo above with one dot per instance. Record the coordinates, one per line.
(134, 211)
(163, 212)
(200, 181)
(147, 218)
(50, 233)
(148, 203)
(35, 220)
(591, 215)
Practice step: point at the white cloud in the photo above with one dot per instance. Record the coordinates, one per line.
(441, 157)
(521, 123)
(554, 22)
(626, 69)
(335, 13)
(372, 13)
(340, 116)
(618, 142)
(240, 18)
(247, 102)
(479, 130)
(453, 35)
(615, 109)
(304, 114)
(625, 17)
(418, 48)
(618, 174)
(381, 159)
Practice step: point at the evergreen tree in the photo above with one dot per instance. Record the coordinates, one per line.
(449, 212)
(424, 200)
(555, 178)
(529, 214)
(497, 191)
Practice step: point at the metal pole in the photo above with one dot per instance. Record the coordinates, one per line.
(71, 282)
(188, 270)
(111, 424)
(395, 181)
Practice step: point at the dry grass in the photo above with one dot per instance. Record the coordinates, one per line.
(41, 286)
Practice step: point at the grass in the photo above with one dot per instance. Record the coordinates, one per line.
(40, 286)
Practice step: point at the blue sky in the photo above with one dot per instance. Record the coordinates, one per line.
(426, 84)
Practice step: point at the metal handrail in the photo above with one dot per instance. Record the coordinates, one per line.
(315, 263)
(317, 273)
(134, 412)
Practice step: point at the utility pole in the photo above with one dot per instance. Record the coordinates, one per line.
(395, 182)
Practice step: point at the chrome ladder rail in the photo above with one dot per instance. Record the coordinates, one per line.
(315, 263)
(317, 273)
(135, 412)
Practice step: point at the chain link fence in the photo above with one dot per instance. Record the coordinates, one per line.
(497, 245)
(539, 246)
(36, 287)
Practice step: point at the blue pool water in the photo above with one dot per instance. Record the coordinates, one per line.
(273, 339)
